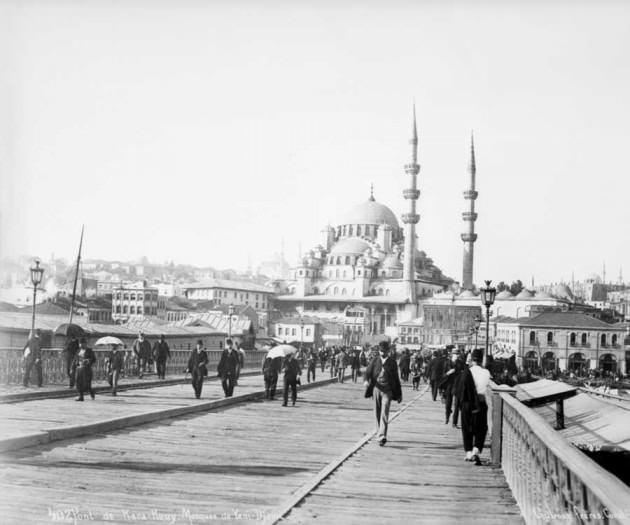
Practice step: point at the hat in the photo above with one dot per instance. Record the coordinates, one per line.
(477, 355)
(383, 346)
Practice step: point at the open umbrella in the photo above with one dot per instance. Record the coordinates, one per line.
(70, 330)
(281, 351)
(108, 340)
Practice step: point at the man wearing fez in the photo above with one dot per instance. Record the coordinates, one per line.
(142, 353)
(197, 367)
(471, 394)
(33, 358)
(161, 352)
(382, 383)
(228, 367)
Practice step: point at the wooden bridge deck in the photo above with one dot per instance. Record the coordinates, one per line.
(243, 463)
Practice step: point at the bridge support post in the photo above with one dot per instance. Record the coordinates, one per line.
(496, 421)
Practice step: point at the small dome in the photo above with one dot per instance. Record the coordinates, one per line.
(562, 291)
(370, 212)
(505, 294)
(525, 294)
(466, 294)
(350, 245)
(391, 261)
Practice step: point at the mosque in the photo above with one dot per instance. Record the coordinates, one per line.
(368, 270)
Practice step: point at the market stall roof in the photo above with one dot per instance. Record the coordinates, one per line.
(593, 423)
(543, 391)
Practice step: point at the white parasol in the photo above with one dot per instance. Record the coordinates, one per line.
(281, 351)
(108, 340)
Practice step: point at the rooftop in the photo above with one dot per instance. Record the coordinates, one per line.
(228, 284)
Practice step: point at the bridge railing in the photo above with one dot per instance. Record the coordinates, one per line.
(552, 481)
(54, 367)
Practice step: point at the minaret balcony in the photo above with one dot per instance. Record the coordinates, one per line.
(411, 194)
(410, 218)
(412, 169)
(471, 195)
(469, 216)
(469, 237)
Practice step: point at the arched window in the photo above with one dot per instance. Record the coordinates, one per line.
(133, 297)
(359, 230)
(603, 340)
(338, 259)
(126, 297)
(140, 297)
(584, 340)
(353, 290)
(532, 338)
(380, 291)
(337, 273)
(118, 309)
(387, 291)
(347, 259)
(335, 291)
(140, 310)
(345, 274)
(344, 291)
(572, 339)
(132, 310)
(549, 338)
(614, 340)
(350, 230)
(125, 309)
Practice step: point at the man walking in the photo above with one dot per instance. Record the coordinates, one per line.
(197, 367)
(70, 350)
(311, 365)
(382, 383)
(161, 352)
(342, 363)
(142, 353)
(271, 369)
(471, 390)
(449, 384)
(84, 360)
(227, 368)
(355, 365)
(32, 352)
(291, 372)
(115, 364)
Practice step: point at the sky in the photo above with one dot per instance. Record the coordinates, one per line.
(210, 132)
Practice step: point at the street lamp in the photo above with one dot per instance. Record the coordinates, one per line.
(301, 332)
(37, 274)
(230, 314)
(488, 293)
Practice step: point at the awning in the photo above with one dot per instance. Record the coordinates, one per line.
(593, 423)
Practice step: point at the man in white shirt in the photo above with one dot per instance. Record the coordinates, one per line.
(481, 377)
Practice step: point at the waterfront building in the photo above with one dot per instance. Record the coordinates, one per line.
(134, 301)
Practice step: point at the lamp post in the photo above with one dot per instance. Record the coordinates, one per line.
(488, 294)
(301, 332)
(230, 314)
(37, 274)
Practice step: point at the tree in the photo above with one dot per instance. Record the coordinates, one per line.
(516, 287)
(502, 286)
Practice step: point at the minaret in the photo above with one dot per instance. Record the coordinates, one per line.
(411, 218)
(470, 217)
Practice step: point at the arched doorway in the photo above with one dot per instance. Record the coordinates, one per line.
(530, 360)
(548, 362)
(577, 363)
(608, 363)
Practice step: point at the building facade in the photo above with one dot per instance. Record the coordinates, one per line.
(134, 300)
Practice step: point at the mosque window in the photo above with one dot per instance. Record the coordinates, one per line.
(584, 339)
(335, 291)
(343, 291)
(549, 338)
(572, 339)
(347, 259)
(338, 260)
(532, 338)
(603, 340)
(350, 230)
(337, 273)
(359, 230)
(614, 340)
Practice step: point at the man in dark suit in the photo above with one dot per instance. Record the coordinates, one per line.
(291, 372)
(448, 385)
(33, 358)
(382, 383)
(197, 366)
(84, 360)
(437, 369)
(70, 350)
(228, 368)
(271, 369)
(161, 352)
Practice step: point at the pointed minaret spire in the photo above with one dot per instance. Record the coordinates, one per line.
(411, 218)
(470, 217)
(372, 192)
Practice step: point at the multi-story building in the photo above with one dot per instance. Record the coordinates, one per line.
(133, 301)
(562, 340)
(305, 331)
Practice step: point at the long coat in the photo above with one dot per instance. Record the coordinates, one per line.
(83, 365)
(198, 360)
(229, 363)
(373, 370)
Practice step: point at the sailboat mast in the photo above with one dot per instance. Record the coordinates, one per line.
(76, 276)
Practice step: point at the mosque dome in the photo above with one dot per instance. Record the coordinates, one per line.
(370, 212)
(505, 294)
(525, 294)
(466, 294)
(350, 245)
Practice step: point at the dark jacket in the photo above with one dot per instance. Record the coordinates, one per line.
(229, 363)
(291, 369)
(466, 391)
(198, 360)
(142, 348)
(88, 358)
(161, 350)
(271, 367)
(373, 370)
(115, 360)
(437, 368)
